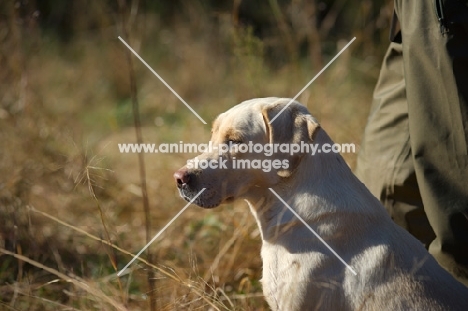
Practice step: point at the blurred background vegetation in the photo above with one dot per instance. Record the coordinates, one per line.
(66, 193)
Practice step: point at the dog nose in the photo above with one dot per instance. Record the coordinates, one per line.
(182, 177)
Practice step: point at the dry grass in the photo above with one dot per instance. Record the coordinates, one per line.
(70, 205)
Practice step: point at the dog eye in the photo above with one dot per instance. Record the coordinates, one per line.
(233, 142)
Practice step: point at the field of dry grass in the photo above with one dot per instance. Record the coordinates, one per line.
(71, 206)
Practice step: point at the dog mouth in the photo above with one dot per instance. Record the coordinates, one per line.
(203, 200)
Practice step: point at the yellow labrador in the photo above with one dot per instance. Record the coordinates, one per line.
(394, 271)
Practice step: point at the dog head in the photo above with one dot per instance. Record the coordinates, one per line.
(251, 151)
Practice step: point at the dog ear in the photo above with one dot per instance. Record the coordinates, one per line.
(293, 126)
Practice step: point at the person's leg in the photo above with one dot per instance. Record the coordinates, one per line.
(385, 164)
(436, 73)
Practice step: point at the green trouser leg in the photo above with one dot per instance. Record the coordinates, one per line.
(385, 162)
(436, 72)
(434, 85)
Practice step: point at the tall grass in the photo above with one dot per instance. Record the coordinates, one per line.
(71, 206)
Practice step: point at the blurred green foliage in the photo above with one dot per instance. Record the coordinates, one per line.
(331, 19)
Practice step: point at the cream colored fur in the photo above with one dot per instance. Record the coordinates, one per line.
(394, 271)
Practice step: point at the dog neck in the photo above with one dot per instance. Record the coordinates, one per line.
(315, 192)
